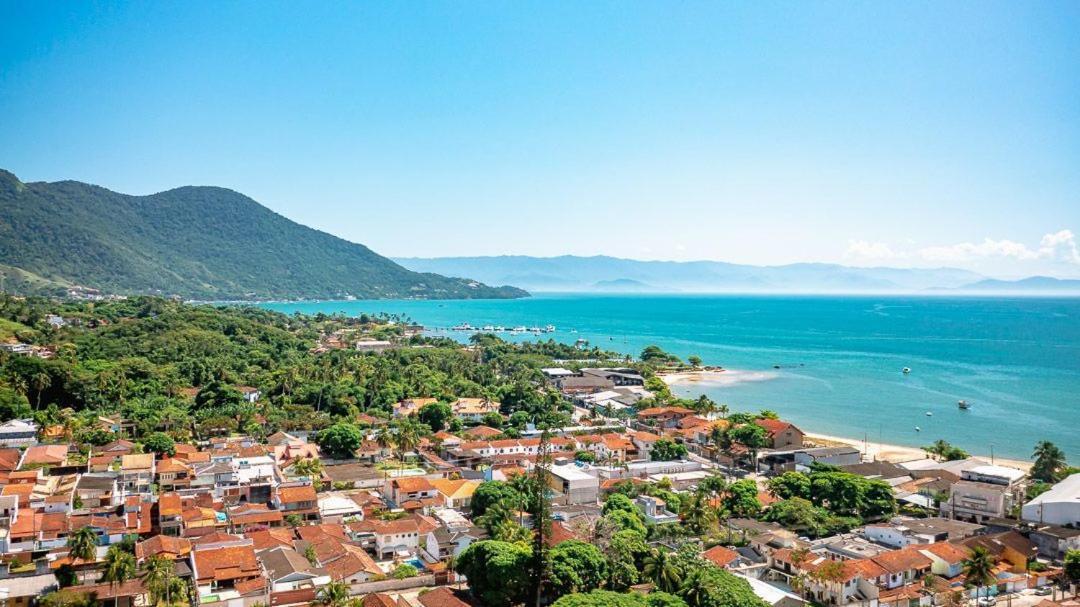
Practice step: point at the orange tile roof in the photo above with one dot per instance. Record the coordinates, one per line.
(905, 559)
(293, 495)
(721, 556)
(441, 597)
(413, 484)
(228, 563)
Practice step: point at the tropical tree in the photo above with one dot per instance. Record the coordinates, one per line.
(663, 570)
(1049, 459)
(82, 544)
(334, 594)
(979, 569)
(160, 578)
(119, 567)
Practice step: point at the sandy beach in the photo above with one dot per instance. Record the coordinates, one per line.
(871, 450)
(896, 453)
(716, 376)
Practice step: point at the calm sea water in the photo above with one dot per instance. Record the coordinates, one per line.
(1016, 360)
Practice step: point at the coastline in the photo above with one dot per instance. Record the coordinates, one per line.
(897, 453)
(871, 450)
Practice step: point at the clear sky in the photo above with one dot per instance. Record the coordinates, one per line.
(903, 133)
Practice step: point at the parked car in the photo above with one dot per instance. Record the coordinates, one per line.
(1044, 591)
(987, 601)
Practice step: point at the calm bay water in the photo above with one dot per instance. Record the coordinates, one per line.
(1016, 360)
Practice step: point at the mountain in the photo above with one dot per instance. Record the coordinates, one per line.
(590, 274)
(1034, 284)
(193, 242)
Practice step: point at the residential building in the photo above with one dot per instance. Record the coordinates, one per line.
(18, 433)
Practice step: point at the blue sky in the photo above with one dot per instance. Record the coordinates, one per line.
(905, 134)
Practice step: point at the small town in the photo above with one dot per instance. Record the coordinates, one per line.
(437, 473)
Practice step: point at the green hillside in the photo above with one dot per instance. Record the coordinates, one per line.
(195, 242)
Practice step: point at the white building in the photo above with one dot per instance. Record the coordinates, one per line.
(18, 433)
(1058, 506)
(578, 486)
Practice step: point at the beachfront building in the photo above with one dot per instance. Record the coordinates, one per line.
(1058, 506)
(984, 492)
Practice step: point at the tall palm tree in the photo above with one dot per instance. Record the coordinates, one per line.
(1049, 458)
(334, 594)
(40, 381)
(119, 567)
(662, 569)
(979, 570)
(159, 576)
(82, 545)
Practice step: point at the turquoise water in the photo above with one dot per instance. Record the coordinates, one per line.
(1016, 360)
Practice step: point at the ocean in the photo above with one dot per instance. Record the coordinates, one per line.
(831, 364)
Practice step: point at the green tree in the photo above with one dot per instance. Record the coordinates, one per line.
(710, 586)
(751, 436)
(666, 449)
(160, 443)
(82, 544)
(789, 485)
(1072, 566)
(340, 441)
(663, 570)
(334, 594)
(490, 493)
(576, 566)
(119, 567)
(435, 415)
(498, 572)
(159, 575)
(741, 499)
(1049, 460)
(694, 360)
(979, 569)
(404, 571)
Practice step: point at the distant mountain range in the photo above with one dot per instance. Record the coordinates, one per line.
(192, 242)
(570, 273)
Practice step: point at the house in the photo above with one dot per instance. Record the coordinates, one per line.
(137, 472)
(1010, 548)
(474, 409)
(18, 433)
(442, 596)
(249, 394)
(781, 434)
(655, 510)
(376, 346)
(246, 516)
(399, 537)
(172, 548)
(1058, 506)
(456, 494)
(903, 566)
(721, 556)
(905, 531)
(96, 490)
(663, 417)
(412, 489)
(44, 456)
(618, 377)
(454, 534)
(977, 502)
(228, 573)
(297, 499)
(947, 559)
(573, 485)
(335, 507)
(799, 459)
(173, 474)
(286, 569)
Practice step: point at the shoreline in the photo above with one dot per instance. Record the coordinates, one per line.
(871, 450)
(898, 453)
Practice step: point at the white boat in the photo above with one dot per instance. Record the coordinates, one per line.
(963, 404)
(907, 370)
(488, 329)
(518, 329)
(549, 329)
(918, 429)
(462, 327)
(929, 414)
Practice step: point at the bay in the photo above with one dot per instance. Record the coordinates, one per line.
(839, 358)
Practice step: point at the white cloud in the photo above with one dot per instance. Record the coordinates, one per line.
(870, 251)
(1060, 246)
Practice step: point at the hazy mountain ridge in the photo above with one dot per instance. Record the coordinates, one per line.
(195, 242)
(573, 273)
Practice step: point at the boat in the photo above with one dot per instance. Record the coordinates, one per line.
(963, 404)
(549, 329)
(518, 329)
(462, 327)
(929, 414)
(918, 429)
(907, 370)
(488, 329)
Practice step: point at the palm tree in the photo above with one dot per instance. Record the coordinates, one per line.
(979, 569)
(723, 410)
(158, 575)
(662, 569)
(334, 594)
(40, 381)
(82, 545)
(119, 567)
(1049, 458)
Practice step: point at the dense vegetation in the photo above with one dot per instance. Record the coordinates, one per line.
(194, 242)
(175, 368)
